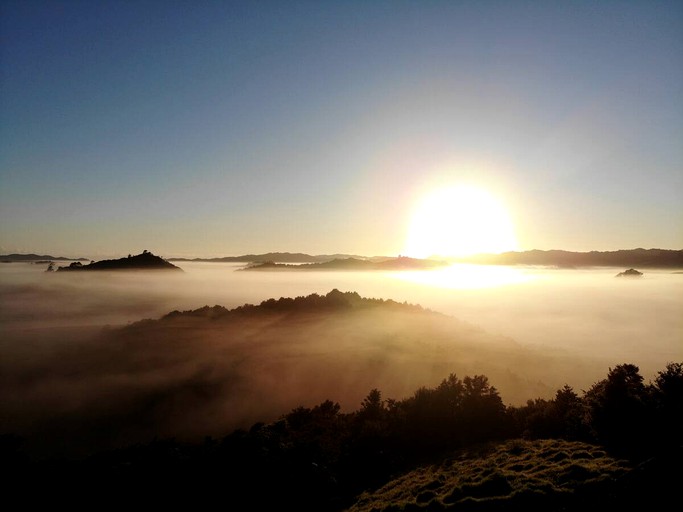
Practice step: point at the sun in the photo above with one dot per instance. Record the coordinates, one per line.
(459, 220)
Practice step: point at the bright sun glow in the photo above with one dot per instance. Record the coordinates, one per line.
(459, 221)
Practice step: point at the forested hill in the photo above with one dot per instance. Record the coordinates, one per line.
(334, 300)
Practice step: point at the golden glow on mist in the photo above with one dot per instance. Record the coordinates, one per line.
(459, 221)
(467, 277)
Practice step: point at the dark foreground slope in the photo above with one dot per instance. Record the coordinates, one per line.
(451, 447)
(143, 261)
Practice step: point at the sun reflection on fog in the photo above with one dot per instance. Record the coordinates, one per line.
(467, 277)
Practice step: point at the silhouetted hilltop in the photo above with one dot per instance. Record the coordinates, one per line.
(37, 258)
(400, 263)
(143, 261)
(632, 272)
(652, 258)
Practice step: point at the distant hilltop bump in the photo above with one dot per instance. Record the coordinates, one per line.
(632, 272)
(143, 261)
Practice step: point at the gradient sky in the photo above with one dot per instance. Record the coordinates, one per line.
(206, 128)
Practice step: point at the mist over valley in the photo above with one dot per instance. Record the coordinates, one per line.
(93, 360)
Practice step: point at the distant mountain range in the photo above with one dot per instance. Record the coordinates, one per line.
(277, 257)
(36, 257)
(652, 258)
(400, 263)
(645, 258)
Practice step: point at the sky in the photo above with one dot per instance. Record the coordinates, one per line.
(209, 128)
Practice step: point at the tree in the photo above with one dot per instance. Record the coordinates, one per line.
(617, 408)
(667, 392)
(483, 409)
(566, 416)
(451, 392)
(372, 406)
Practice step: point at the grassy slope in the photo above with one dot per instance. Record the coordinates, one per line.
(516, 475)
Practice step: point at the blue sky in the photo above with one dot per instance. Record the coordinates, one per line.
(216, 128)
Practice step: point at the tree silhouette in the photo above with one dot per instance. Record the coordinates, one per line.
(617, 409)
(483, 409)
(667, 394)
(372, 406)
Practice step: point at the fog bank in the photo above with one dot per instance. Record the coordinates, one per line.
(65, 378)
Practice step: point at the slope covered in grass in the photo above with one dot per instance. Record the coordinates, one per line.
(514, 475)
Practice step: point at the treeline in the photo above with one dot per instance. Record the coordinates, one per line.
(319, 458)
(630, 418)
(334, 300)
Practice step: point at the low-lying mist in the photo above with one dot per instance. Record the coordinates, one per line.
(76, 377)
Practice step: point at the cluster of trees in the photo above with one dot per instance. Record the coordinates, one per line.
(621, 412)
(334, 300)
